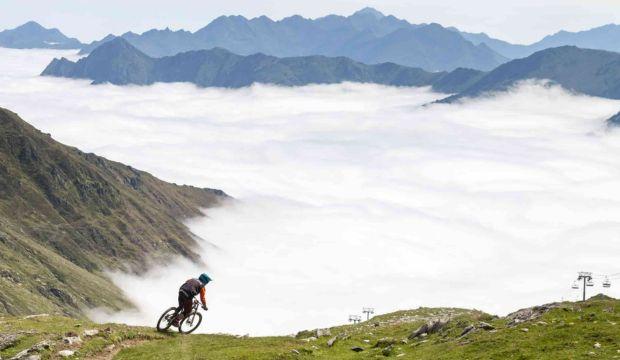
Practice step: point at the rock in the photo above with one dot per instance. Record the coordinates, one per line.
(30, 354)
(467, 330)
(385, 342)
(110, 347)
(323, 332)
(486, 326)
(41, 346)
(78, 325)
(387, 351)
(366, 341)
(332, 341)
(91, 332)
(357, 349)
(597, 345)
(312, 338)
(525, 330)
(529, 314)
(35, 316)
(20, 355)
(8, 340)
(430, 327)
(26, 355)
(66, 353)
(72, 340)
(295, 351)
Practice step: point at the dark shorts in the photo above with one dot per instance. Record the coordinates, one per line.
(185, 303)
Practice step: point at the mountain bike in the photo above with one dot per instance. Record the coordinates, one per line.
(187, 325)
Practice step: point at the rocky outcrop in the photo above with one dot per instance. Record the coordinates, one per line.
(430, 327)
(529, 314)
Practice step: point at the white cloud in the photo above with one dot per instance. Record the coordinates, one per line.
(355, 195)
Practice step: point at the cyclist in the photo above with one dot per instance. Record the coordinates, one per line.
(187, 292)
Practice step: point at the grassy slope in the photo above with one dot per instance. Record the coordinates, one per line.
(567, 332)
(65, 216)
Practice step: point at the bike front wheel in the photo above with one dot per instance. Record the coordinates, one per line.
(166, 319)
(190, 323)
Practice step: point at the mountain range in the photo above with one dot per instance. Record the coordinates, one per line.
(66, 216)
(119, 62)
(587, 71)
(367, 36)
(32, 35)
(591, 72)
(600, 38)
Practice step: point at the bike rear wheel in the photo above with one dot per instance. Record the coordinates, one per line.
(166, 319)
(190, 323)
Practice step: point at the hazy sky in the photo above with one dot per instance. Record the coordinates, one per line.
(516, 21)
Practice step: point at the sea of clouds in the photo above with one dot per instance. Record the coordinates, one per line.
(353, 195)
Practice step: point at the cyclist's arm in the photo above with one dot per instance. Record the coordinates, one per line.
(202, 296)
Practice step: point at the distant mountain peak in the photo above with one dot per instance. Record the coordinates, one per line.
(368, 11)
(31, 25)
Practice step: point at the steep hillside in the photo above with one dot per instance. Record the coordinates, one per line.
(32, 35)
(367, 36)
(118, 62)
(591, 72)
(65, 216)
(554, 331)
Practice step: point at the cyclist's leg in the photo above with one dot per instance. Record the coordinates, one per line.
(188, 307)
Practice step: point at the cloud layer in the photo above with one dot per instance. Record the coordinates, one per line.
(354, 195)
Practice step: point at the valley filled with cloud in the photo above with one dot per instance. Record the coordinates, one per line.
(353, 195)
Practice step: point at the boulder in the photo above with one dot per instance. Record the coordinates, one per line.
(8, 340)
(332, 341)
(430, 327)
(323, 332)
(468, 330)
(41, 346)
(72, 340)
(26, 355)
(91, 332)
(385, 342)
(387, 351)
(66, 353)
(486, 326)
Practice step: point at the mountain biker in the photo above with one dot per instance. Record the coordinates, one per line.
(187, 292)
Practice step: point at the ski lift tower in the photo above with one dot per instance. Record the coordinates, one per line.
(355, 319)
(587, 281)
(368, 311)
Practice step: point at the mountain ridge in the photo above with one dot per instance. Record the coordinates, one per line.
(120, 63)
(68, 216)
(33, 35)
(587, 71)
(354, 37)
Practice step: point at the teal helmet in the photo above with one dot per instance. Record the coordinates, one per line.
(204, 278)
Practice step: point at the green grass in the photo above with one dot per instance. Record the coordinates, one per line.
(569, 331)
